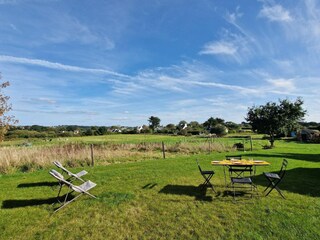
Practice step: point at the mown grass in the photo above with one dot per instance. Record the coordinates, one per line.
(160, 199)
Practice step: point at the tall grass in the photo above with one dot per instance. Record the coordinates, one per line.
(19, 158)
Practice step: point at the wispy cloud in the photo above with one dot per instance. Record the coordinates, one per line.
(286, 85)
(219, 47)
(182, 78)
(57, 66)
(43, 100)
(66, 112)
(275, 13)
(232, 46)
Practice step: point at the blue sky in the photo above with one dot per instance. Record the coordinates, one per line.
(90, 62)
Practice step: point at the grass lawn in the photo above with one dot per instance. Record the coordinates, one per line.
(160, 199)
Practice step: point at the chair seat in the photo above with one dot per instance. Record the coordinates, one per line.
(84, 187)
(82, 173)
(272, 175)
(244, 180)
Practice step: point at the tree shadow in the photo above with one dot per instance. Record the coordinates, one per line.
(297, 156)
(38, 184)
(304, 181)
(198, 192)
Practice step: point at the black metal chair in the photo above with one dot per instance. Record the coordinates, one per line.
(238, 170)
(242, 181)
(207, 175)
(238, 157)
(275, 178)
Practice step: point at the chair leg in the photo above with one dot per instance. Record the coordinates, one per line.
(207, 182)
(274, 186)
(268, 185)
(66, 203)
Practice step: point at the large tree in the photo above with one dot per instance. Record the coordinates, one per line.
(154, 122)
(5, 107)
(211, 122)
(274, 119)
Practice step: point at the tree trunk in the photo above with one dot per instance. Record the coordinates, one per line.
(271, 141)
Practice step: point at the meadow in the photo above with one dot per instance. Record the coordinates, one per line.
(147, 197)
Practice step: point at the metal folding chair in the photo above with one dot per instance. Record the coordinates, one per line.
(81, 189)
(207, 175)
(237, 157)
(238, 170)
(72, 176)
(275, 178)
(242, 179)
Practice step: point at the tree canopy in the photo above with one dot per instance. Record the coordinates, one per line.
(5, 107)
(154, 122)
(274, 119)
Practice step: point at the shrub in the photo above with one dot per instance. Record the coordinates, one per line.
(219, 129)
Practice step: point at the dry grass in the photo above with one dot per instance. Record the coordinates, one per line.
(36, 157)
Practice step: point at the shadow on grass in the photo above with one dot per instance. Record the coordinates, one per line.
(18, 203)
(297, 156)
(38, 184)
(198, 192)
(304, 181)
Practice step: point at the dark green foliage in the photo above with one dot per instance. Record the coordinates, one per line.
(219, 130)
(212, 122)
(154, 122)
(275, 119)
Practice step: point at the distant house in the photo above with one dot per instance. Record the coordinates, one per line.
(116, 130)
(307, 135)
(184, 126)
(139, 129)
(76, 132)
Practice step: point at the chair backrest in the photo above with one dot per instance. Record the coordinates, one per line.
(238, 157)
(199, 166)
(59, 165)
(59, 177)
(283, 168)
(61, 180)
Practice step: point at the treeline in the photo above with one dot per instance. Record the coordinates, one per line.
(212, 125)
(215, 126)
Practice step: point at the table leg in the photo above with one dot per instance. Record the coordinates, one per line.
(225, 177)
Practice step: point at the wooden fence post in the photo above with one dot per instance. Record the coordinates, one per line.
(250, 143)
(163, 151)
(244, 149)
(92, 160)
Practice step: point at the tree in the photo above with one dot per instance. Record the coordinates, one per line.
(219, 130)
(195, 128)
(154, 122)
(170, 128)
(211, 122)
(182, 125)
(274, 119)
(5, 107)
(232, 126)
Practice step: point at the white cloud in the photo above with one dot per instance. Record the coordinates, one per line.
(232, 46)
(232, 17)
(43, 100)
(275, 13)
(282, 84)
(219, 47)
(57, 66)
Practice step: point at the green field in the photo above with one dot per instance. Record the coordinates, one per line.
(160, 199)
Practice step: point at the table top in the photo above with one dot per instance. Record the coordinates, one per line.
(243, 162)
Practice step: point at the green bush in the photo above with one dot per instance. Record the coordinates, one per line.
(219, 129)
